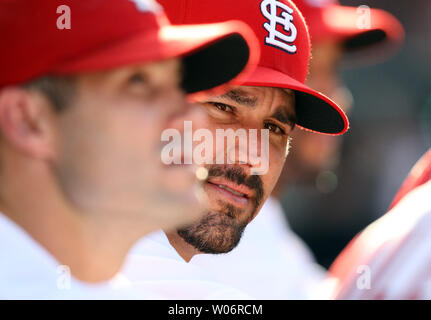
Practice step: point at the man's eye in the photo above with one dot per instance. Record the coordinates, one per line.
(222, 107)
(137, 78)
(274, 128)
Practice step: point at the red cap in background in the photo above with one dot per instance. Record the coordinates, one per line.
(368, 35)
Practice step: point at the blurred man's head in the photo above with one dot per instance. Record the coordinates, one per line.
(273, 97)
(82, 108)
(340, 36)
(98, 135)
(314, 153)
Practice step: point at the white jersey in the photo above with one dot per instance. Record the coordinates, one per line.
(154, 264)
(270, 262)
(390, 259)
(29, 271)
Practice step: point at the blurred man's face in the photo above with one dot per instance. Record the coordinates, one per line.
(109, 146)
(316, 152)
(235, 195)
(324, 68)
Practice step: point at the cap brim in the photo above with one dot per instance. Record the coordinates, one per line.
(314, 111)
(213, 54)
(373, 34)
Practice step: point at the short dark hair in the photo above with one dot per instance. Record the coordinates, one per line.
(60, 90)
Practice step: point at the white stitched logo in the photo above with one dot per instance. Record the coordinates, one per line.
(147, 5)
(276, 38)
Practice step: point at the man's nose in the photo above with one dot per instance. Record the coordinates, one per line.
(250, 151)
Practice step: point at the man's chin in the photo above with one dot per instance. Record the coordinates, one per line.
(216, 233)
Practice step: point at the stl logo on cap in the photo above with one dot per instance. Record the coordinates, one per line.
(275, 38)
(147, 5)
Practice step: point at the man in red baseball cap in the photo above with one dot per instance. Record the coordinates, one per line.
(273, 97)
(341, 36)
(83, 102)
(269, 253)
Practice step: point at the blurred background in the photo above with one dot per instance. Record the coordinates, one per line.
(390, 128)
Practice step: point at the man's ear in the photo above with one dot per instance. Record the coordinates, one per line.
(27, 122)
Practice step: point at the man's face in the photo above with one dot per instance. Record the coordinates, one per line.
(109, 146)
(318, 152)
(235, 195)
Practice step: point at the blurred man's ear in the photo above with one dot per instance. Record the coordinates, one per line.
(27, 122)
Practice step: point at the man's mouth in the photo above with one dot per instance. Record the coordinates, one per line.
(231, 190)
(239, 195)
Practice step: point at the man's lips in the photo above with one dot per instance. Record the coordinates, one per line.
(238, 194)
(237, 189)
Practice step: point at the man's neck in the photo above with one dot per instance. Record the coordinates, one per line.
(184, 249)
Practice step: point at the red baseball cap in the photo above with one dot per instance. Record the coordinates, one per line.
(285, 52)
(76, 36)
(367, 34)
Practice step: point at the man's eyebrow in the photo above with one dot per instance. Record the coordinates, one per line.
(284, 116)
(241, 97)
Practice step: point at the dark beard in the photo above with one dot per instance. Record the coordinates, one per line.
(220, 232)
(216, 233)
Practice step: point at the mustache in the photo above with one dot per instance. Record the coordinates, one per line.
(239, 176)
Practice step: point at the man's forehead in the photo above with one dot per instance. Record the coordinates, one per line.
(242, 96)
(158, 71)
(257, 91)
(251, 96)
